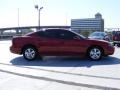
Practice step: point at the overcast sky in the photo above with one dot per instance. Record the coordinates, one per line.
(57, 12)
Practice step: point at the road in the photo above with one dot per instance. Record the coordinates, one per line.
(58, 73)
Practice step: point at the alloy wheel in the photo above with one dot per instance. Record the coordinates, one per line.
(95, 53)
(30, 53)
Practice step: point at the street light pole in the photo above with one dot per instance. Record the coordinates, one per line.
(18, 17)
(39, 9)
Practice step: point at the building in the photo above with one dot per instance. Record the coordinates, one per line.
(88, 25)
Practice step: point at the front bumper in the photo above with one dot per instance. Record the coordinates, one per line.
(110, 50)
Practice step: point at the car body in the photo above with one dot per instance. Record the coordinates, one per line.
(116, 38)
(59, 42)
(99, 35)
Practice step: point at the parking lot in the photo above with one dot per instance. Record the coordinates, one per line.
(58, 73)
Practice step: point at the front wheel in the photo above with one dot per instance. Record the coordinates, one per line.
(95, 53)
(30, 53)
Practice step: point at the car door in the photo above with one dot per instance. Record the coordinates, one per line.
(49, 43)
(72, 44)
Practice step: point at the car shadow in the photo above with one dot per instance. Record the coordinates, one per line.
(65, 62)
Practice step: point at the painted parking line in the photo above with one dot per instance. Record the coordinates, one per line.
(55, 71)
(61, 81)
(61, 78)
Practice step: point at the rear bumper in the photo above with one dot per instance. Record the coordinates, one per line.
(15, 50)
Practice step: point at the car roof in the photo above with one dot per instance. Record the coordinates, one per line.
(56, 29)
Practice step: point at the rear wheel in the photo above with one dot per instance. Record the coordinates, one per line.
(95, 53)
(30, 53)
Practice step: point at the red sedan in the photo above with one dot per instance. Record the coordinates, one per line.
(56, 42)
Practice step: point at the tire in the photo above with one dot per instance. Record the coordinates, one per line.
(114, 44)
(30, 53)
(118, 45)
(95, 53)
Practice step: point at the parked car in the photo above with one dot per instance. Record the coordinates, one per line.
(116, 38)
(99, 35)
(57, 42)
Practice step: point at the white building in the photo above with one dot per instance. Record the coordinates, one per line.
(88, 25)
